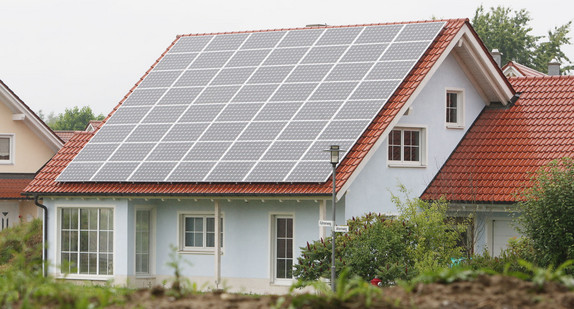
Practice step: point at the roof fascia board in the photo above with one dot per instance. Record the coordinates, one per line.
(394, 122)
(30, 119)
(298, 198)
(514, 71)
(474, 47)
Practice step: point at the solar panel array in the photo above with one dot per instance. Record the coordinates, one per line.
(252, 107)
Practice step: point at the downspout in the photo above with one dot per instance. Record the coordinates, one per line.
(45, 236)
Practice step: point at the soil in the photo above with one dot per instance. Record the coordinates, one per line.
(483, 292)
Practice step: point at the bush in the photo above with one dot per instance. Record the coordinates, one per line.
(547, 209)
(420, 239)
(375, 246)
(436, 235)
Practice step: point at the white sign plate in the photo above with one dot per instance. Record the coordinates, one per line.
(342, 228)
(325, 223)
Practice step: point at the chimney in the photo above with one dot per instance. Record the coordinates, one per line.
(497, 56)
(554, 67)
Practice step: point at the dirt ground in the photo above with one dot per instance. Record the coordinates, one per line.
(484, 292)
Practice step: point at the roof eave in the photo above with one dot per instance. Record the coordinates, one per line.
(17, 106)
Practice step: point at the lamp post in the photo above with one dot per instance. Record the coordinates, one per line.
(334, 161)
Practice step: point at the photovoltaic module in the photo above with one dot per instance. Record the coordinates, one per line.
(252, 107)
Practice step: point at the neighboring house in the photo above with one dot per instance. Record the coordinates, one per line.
(500, 153)
(93, 125)
(515, 69)
(26, 144)
(219, 149)
(64, 135)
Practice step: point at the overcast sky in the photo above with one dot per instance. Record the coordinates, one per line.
(56, 54)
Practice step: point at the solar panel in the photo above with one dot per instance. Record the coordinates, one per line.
(252, 107)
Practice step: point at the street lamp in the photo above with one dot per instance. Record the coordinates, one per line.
(334, 150)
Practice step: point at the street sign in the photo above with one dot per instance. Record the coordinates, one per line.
(342, 228)
(325, 223)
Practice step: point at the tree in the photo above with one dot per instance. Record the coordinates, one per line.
(49, 119)
(547, 209)
(75, 119)
(509, 32)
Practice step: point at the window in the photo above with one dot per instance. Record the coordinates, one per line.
(283, 247)
(143, 241)
(6, 149)
(454, 109)
(199, 232)
(86, 244)
(406, 146)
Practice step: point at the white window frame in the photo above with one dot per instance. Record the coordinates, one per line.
(152, 241)
(181, 232)
(273, 248)
(11, 143)
(58, 259)
(423, 151)
(460, 104)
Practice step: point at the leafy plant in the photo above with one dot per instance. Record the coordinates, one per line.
(547, 209)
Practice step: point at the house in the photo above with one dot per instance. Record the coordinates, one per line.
(218, 151)
(26, 144)
(501, 151)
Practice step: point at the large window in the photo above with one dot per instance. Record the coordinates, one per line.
(86, 244)
(454, 109)
(406, 146)
(283, 247)
(199, 232)
(143, 241)
(6, 149)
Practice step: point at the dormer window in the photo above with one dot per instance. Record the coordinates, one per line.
(454, 109)
(6, 149)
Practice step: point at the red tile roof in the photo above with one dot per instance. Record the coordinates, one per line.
(11, 188)
(504, 147)
(64, 135)
(45, 183)
(524, 70)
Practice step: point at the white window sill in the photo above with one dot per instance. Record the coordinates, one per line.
(199, 252)
(6, 163)
(455, 126)
(400, 164)
(85, 277)
(144, 276)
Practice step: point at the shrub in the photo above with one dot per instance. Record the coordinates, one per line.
(420, 239)
(436, 236)
(547, 209)
(374, 246)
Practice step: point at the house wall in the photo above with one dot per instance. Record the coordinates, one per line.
(246, 258)
(372, 190)
(31, 152)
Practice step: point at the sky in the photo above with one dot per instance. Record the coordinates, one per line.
(57, 54)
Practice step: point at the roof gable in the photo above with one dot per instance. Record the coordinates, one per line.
(515, 69)
(504, 147)
(45, 184)
(21, 111)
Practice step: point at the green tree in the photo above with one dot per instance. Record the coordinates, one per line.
(49, 119)
(547, 212)
(75, 119)
(508, 31)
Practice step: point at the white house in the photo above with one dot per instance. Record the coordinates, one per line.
(221, 142)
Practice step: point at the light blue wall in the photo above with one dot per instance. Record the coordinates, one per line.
(371, 190)
(246, 250)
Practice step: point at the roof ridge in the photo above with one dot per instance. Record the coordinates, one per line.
(326, 27)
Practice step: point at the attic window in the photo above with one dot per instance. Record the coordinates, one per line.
(454, 108)
(6, 149)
